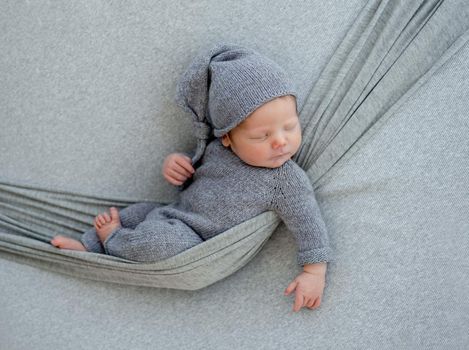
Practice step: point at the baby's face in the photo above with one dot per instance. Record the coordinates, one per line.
(270, 136)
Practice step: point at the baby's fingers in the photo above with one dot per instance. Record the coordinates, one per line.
(177, 168)
(310, 302)
(291, 287)
(298, 302)
(185, 162)
(317, 303)
(172, 180)
(177, 176)
(314, 303)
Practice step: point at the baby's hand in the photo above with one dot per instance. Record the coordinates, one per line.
(177, 168)
(309, 288)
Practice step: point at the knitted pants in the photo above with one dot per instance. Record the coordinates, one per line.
(145, 235)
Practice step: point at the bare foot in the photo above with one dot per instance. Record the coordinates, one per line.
(63, 242)
(105, 224)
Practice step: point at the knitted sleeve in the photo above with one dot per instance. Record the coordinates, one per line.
(294, 201)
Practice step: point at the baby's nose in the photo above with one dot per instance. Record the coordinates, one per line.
(279, 141)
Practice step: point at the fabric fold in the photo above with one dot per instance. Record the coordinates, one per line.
(392, 49)
(389, 49)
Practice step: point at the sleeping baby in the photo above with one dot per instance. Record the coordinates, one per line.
(246, 122)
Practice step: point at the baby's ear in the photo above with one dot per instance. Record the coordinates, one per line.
(225, 140)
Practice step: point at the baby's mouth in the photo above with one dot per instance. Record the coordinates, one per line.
(281, 155)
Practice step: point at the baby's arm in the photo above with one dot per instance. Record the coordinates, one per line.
(295, 202)
(177, 168)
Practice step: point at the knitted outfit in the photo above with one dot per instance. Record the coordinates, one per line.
(225, 192)
(223, 85)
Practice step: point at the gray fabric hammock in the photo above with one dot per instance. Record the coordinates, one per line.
(390, 51)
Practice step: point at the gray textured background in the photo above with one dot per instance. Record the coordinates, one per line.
(397, 208)
(98, 81)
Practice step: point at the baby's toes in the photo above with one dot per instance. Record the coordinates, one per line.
(101, 220)
(107, 217)
(115, 214)
(97, 224)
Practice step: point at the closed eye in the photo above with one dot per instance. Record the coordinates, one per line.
(259, 137)
(291, 127)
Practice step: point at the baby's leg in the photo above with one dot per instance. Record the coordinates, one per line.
(130, 217)
(152, 240)
(135, 213)
(91, 242)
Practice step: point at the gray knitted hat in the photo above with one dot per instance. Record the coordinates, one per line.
(223, 85)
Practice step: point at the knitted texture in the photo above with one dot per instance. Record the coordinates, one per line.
(223, 85)
(224, 192)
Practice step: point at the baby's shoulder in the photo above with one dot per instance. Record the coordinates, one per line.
(290, 174)
(291, 168)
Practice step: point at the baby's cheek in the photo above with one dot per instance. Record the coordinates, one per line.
(259, 153)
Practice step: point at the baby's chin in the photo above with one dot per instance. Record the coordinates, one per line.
(278, 164)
